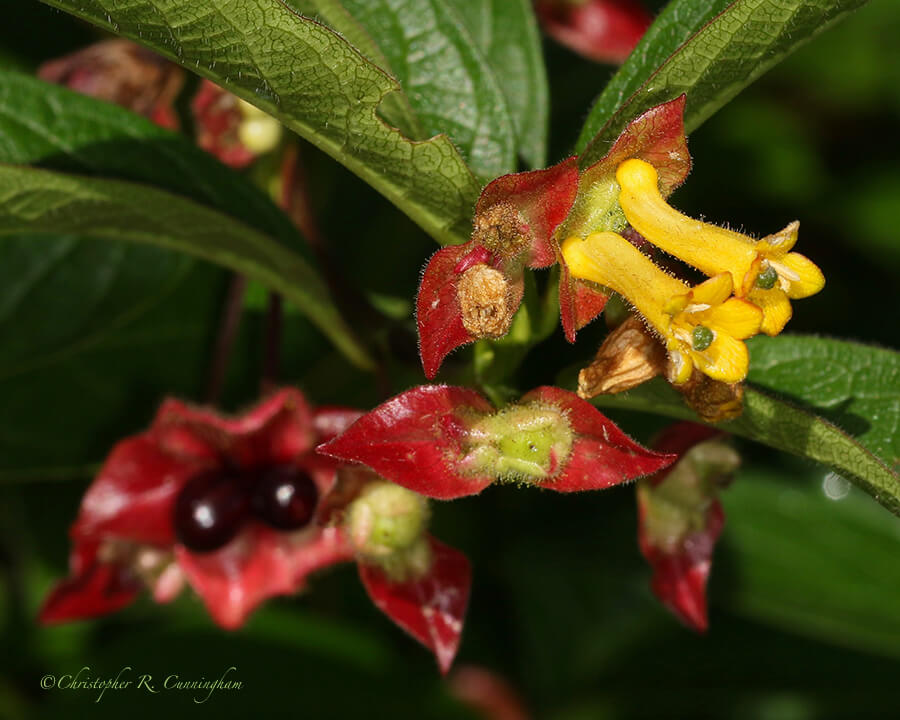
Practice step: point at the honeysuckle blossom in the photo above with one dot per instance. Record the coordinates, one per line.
(701, 327)
(447, 442)
(764, 271)
(680, 517)
(242, 509)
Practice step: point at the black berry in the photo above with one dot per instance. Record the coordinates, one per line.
(284, 497)
(210, 510)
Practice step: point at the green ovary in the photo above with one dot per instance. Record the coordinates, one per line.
(526, 443)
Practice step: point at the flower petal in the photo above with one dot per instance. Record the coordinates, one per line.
(776, 309)
(542, 197)
(739, 318)
(726, 359)
(94, 588)
(602, 455)
(414, 439)
(714, 291)
(431, 608)
(258, 564)
(811, 279)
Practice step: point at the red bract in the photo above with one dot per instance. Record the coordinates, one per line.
(218, 119)
(124, 73)
(680, 518)
(447, 442)
(657, 136)
(473, 290)
(431, 607)
(601, 30)
(130, 535)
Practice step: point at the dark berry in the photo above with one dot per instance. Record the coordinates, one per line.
(210, 510)
(284, 497)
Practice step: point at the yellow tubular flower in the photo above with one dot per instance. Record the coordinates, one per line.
(764, 271)
(701, 327)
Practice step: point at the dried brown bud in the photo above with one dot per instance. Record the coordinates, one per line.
(713, 401)
(485, 300)
(124, 73)
(501, 230)
(629, 356)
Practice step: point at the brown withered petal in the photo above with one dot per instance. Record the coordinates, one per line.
(713, 401)
(121, 72)
(629, 356)
(484, 299)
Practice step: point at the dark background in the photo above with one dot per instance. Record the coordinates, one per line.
(805, 593)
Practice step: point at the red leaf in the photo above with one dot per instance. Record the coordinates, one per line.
(542, 197)
(94, 588)
(438, 314)
(602, 455)
(432, 608)
(679, 578)
(258, 564)
(601, 30)
(414, 438)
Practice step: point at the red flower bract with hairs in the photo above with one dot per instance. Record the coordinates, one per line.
(680, 519)
(447, 442)
(289, 503)
(601, 30)
(515, 219)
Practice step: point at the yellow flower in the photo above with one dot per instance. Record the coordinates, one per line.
(701, 327)
(764, 271)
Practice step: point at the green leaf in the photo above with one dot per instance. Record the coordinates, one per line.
(841, 376)
(709, 61)
(50, 126)
(314, 82)
(450, 85)
(93, 346)
(395, 107)
(39, 201)
(506, 32)
(857, 387)
(814, 556)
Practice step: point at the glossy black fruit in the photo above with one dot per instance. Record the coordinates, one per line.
(284, 497)
(210, 510)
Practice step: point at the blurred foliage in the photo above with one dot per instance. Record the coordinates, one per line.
(805, 618)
